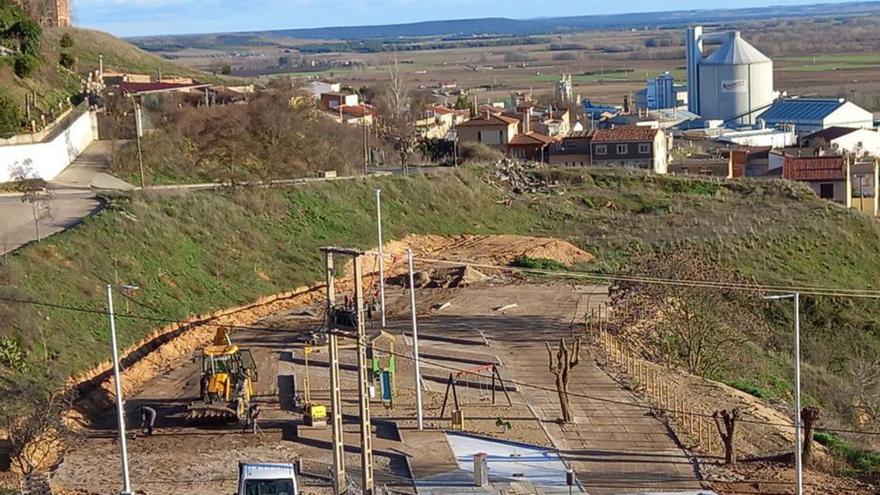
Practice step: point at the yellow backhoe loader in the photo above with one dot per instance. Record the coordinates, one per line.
(226, 382)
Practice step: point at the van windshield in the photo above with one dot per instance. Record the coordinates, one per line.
(269, 487)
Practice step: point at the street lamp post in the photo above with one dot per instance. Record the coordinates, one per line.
(381, 257)
(120, 408)
(415, 331)
(798, 461)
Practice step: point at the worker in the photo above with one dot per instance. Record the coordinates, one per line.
(148, 420)
(254, 418)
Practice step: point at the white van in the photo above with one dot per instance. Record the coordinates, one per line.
(266, 479)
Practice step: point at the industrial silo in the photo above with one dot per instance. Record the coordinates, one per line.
(736, 83)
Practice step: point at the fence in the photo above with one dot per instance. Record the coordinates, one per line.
(692, 426)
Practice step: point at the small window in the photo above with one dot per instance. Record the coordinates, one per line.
(826, 191)
(479, 136)
(601, 149)
(622, 149)
(644, 148)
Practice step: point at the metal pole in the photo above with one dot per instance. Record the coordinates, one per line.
(120, 411)
(367, 481)
(139, 129)
(415, 331)
(339, 479)
(797, 394)
(381, 257)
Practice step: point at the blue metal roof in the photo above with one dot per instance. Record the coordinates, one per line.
(800, 110)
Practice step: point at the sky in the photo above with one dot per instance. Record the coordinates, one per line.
(145, 17)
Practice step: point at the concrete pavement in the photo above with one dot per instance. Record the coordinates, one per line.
(72, 198)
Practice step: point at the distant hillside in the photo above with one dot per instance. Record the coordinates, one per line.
(505, 26)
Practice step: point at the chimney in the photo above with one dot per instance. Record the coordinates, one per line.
(488, 114)
(527, 123)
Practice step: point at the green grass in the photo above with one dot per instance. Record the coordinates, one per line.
(538, 263)
(198, 252)
(861, 461)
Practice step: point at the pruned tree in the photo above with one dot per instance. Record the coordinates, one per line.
(561, 365)
(701, 329)
(809, 417)
(725, 422)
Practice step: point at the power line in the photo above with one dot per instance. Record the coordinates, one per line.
(707, 284)
(403, 356)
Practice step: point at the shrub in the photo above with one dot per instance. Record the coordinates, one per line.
(67, 60)
(67, 41)
(24, 65)
(861, 460)
(538, 263)
(478, 153)
(10, 116)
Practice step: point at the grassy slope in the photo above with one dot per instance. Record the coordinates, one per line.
(204, 251)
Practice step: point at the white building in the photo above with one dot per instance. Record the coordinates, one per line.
(809, 115)
(861, 142)
(758, 138)
(317, 88)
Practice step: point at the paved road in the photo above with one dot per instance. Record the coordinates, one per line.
(72, 199)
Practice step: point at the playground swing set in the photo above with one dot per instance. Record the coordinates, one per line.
(486, 378)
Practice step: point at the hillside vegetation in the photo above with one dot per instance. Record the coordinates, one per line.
(52, 83)
(202, 251)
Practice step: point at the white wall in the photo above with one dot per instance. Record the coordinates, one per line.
(47, 160)
(863, 140)
(850, 115)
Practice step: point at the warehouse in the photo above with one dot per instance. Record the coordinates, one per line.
(809, 115)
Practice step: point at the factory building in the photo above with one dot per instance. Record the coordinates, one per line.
(809, 115)
(662, 93)
(734, 84)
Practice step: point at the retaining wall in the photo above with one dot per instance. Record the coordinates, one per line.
(48, 159)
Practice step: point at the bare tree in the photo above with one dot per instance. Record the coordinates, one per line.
(864, 369)
(701, 329)
(32, 414)
(561, 365)
(727, 432)
(398, 115)
(33, 190)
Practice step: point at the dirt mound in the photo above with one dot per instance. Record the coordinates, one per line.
(441, 278)
(498, 249)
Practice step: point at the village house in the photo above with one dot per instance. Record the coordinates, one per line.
(630, 146)
(828, 176)
(438, 120)
(363, 114)
(489, 129)
(861, 142)
(572, 150)
(333, 100)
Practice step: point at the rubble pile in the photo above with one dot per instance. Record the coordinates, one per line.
(518, 176)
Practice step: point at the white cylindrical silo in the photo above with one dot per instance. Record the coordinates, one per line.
(736, 83)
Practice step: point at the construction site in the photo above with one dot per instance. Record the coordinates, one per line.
(494, 346)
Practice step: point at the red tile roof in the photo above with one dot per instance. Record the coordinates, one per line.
(491, 120)
(625, 134)
(357, 110)
(532, 138)
(816, 168)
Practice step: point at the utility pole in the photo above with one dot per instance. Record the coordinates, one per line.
(415, 331)
(798, 428)
(367, 482)
(339, 480)
(381, 257)
(120, 408)
(366, 140)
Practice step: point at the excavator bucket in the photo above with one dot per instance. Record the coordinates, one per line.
(209, 414)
